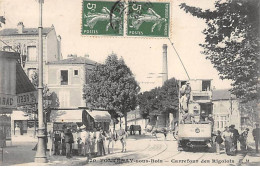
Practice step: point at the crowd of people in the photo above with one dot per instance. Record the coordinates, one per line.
(230, 137)
(86, 143)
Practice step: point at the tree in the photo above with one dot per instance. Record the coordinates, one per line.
(250, 113)
(160, 100)
(169, 96)
(232, 43)
(149, 103)
(112, 86)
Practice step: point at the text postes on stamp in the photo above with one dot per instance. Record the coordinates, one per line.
(97, 19)
(148, 19)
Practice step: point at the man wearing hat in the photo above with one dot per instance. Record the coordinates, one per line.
(187, 91)
(68, 140)
(256, 133)
(235, 135)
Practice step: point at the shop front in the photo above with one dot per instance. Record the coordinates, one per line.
(23, 124)
(13, 82)
(79, 121)
(95, 119)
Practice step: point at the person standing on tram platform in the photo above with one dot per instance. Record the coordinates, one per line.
(187, 91)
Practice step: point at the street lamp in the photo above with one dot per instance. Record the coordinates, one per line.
(40, 156)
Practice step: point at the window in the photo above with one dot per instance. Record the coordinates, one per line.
(32, 54)
(30, 72)
(222, 121)
(245, 121)
(76, 72)
(206, 85)
(64, 77)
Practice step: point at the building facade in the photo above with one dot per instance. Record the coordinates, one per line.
(14, 85)
(25, 41)
(66, 78)
(225, 110)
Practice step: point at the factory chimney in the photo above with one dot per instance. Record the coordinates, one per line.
(165, 65)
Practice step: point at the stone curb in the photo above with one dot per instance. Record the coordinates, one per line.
(81, 162)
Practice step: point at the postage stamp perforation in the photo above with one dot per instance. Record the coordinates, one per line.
(169, 17)
(120, 15)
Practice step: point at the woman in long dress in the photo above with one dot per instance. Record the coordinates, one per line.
(94, 143)
(88, 144)
(228, 137)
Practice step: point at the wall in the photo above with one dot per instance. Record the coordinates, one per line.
(73, 92)
(222, 113)
(52, 46)
(7, 75)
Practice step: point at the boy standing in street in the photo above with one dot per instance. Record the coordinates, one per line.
(218, 141)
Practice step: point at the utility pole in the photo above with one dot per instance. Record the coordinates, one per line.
(40, 156)
(165, 64)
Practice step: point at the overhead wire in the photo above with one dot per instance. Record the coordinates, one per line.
(179, 58)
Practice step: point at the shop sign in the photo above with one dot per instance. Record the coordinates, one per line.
(27, 98)
(8, 101)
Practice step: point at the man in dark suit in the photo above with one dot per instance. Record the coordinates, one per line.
(68, 141)
(256, 134)
(235, 135)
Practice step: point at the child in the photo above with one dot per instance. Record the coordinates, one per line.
(218, 141)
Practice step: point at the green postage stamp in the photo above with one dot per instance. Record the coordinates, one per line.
(148, 19)
(97, 18)
(140, 18)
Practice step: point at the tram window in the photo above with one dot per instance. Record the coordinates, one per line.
(206, 85)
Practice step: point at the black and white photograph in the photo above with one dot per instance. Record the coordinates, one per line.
(129, 83)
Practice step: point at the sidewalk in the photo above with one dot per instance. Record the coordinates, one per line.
(251, 159)
(20, 153)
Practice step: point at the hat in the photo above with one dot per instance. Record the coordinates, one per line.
(187, 82)
(232, 125)
(83, 126)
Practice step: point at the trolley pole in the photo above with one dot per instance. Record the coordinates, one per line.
(40, 156)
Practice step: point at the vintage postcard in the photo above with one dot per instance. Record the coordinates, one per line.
(129, 82)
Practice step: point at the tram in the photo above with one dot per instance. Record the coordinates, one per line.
(195, 122)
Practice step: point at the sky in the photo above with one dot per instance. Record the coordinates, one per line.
(142, 55)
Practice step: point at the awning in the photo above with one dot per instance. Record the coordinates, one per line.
(19, 115)
(100, 116)
(66, 116)
(76, 115)
(23, 83)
